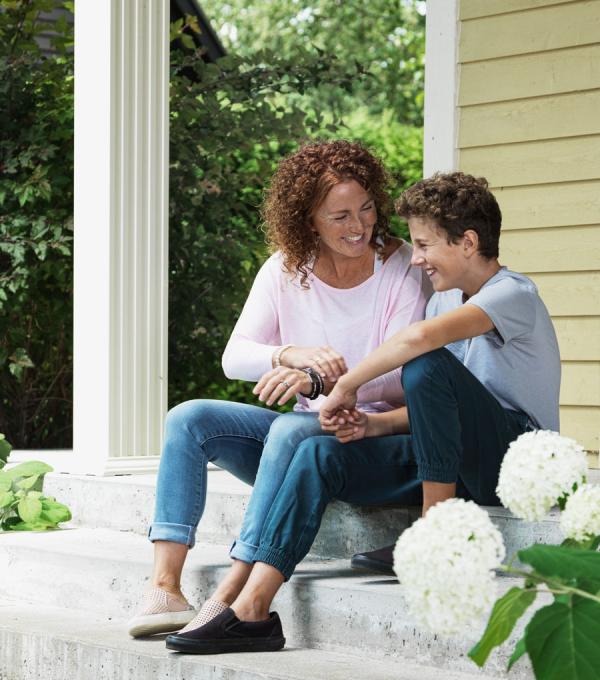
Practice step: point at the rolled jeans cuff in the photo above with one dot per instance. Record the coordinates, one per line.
(176, 533)
(279, 559)
(243, 551)
(440, 475)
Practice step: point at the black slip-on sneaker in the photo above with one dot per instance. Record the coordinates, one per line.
(226, 633)
(380, 561)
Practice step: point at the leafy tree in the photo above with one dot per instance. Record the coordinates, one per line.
(36, 197)
(386, 37)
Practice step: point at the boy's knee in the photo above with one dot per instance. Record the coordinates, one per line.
(319, 457)
(417, 371)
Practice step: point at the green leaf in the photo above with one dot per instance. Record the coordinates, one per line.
(505, 614)
(562, 641)
(31, 467)
(6, 498)
(54, 512)
(29, 509)
(28, 482)
(591, 543)
(5, 481)
(518, 652)
(5, 449)
(567, 565)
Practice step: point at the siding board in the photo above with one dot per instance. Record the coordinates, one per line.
(578, 338)
(557, 116)
(549, 205)
(583, 424)
(546, 28)
(557, 160)
(580, 383)
(570, 293)
(551, 250)
(530, 75)
(472, 9)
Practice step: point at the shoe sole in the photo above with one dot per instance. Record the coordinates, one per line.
(152, 624)
(188, 646)
(366, 564)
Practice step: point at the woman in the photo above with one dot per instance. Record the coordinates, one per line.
(335, 288)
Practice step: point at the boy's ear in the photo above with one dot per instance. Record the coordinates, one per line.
(470, 242)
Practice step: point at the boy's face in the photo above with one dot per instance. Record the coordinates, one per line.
(443, 262)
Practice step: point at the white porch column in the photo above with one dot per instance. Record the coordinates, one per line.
(441, 87)
(121, 220)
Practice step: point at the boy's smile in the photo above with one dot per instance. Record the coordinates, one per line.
(443, 262)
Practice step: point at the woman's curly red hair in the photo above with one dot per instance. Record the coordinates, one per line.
(301, 183)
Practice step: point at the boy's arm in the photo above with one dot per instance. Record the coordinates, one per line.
(468, 321)
(354, 425)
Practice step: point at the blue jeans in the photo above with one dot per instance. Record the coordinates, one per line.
(460, 434)
(254, 444)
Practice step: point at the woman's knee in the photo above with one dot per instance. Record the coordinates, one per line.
(288, 431)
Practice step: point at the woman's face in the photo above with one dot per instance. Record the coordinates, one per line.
(345, 220)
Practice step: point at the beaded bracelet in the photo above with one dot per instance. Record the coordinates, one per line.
(277, 355)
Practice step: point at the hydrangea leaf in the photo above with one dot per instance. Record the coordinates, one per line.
(562, 640)
(505, 614)
(518, 652)
(29, 509)
(565, 564)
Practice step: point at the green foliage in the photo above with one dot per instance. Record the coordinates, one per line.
(36, 178)
(386, 38)
(561, 638)
(23, 507)
(505, 614)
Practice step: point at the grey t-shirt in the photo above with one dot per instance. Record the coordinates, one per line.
(518, 361)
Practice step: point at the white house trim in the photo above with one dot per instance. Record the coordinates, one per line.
(441, 87)
(121, 234)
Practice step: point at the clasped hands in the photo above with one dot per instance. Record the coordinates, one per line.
(338, 414)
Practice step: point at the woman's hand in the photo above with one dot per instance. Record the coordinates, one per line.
(325, 360)
(348, 426)
(281, 384)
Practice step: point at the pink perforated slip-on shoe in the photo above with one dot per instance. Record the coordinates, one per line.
(160, 612)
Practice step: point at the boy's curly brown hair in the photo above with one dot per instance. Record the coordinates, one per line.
(456, 202)
(301, 183)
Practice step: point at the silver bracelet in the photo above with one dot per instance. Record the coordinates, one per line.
(277, 355)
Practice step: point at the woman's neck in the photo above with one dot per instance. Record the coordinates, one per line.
(344, 272)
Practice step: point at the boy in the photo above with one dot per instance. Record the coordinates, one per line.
(499, 374)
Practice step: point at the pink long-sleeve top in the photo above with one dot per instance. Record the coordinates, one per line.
(353, 321)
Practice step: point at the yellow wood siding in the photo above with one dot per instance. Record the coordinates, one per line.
(529, 121)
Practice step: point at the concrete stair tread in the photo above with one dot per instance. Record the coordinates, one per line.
(55, 644)
(325, 605)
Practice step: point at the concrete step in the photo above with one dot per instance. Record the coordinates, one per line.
(324, 606)
(55, 644)
(127, 503)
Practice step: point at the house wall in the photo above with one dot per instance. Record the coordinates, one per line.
(529, 120)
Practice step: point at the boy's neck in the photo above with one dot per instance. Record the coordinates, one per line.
(478, 276)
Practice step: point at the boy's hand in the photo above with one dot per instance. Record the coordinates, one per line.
(352, 426)
(338, 400)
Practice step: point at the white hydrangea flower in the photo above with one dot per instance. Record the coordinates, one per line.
(581, 517)
(444, 562)
(538, 469)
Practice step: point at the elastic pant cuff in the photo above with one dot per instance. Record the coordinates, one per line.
(276, 558)
(432, 474)
(176, 533)
(243, 551)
